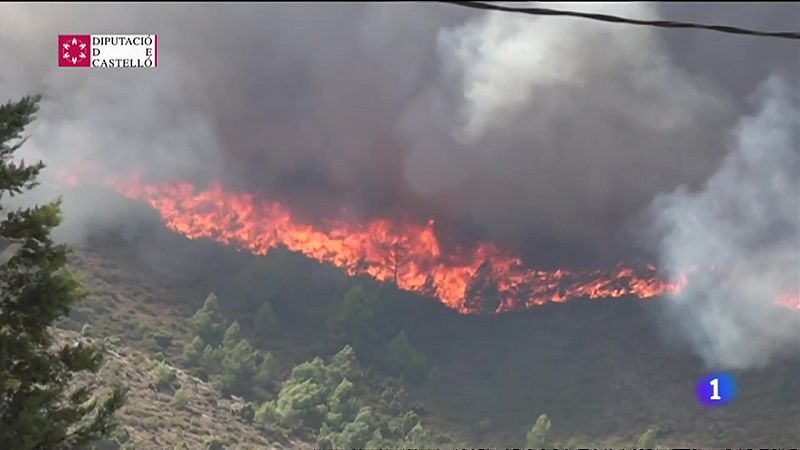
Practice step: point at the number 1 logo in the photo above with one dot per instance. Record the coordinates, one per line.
(716, 389)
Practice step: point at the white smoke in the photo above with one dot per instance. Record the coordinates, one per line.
(557, 126)
(745, 224)
(543, 134)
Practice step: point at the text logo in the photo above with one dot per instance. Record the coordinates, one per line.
(125, 51)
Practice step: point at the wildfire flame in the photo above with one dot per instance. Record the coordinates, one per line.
(468, 280)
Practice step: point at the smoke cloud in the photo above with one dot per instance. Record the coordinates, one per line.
(745, 224)
(550, 136)
(543, 134)
(542, 130)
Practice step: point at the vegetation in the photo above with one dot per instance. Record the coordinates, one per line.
(357, 320)
(233, 365)
(214, 443)
(496, 374)
(406, 361)
(164, 376)
(648, 438)
(180, 398)
(41, 404)
(538, 435)
(207, 323)
(332, 401)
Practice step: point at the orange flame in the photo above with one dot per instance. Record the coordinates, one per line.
(406, 253)
(466, 279)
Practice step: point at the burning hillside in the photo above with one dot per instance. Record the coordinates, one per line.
(480, 278)
(405, 253)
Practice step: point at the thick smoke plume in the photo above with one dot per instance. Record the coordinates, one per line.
(545, 135)
(745, 225)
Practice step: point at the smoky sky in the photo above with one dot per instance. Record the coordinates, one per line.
(550, 136)
(745, 224)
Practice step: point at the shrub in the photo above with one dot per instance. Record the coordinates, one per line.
(246, 412)
(214, 443)
(648, 438)
(163, 339)
(164, 375)
(180, 398)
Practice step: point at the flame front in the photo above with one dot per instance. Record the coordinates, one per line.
(481, 278)
(402, 252)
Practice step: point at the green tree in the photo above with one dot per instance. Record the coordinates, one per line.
(358, 319)
(344, 363)
(193, 351)
(537, 436)
(404, 360)
(356, 433)
(208, 322)
(238, 369)
(265, 381)
(37, 288)
(314, 370)
(418, 437)
(342, 404)
(231, 337)
(301, 403)
(266, 321)
(211, 360)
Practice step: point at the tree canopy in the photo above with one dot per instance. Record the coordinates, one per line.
(41, 405)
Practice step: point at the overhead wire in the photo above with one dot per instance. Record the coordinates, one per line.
(538, 11)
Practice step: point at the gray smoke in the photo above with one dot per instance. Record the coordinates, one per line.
(548, 135)
(559, 129)
(745, 224)
(543, 134)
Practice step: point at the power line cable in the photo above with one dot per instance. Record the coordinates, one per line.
(616, 19)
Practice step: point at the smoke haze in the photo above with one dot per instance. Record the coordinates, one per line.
(556, 138)
(744, 223)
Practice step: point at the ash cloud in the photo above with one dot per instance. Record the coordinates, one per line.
(745, 223)
(546, 135)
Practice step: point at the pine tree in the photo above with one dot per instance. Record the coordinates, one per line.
(537, 436)
(41, 406)
(208, 322)
(405, 360)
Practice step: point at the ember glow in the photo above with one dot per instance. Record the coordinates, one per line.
(482, 278)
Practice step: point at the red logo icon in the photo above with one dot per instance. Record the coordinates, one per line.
(74, 50)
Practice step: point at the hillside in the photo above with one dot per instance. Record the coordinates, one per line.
(152, 418)
(601, 370)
